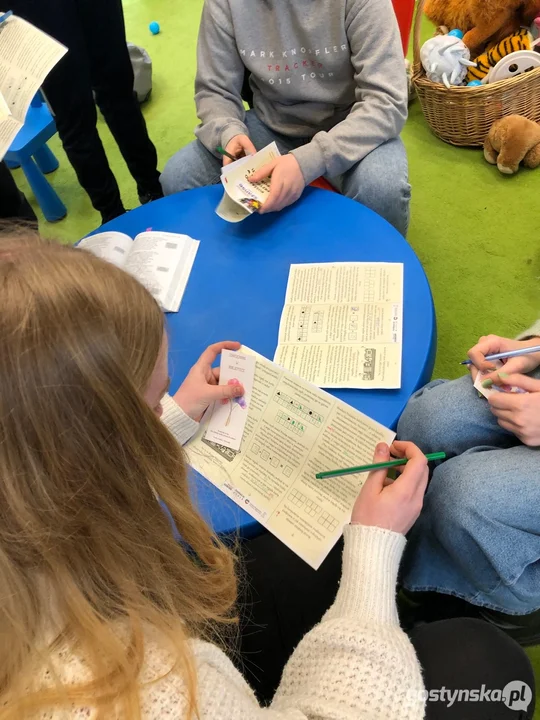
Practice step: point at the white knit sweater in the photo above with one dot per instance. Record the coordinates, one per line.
(357, 664)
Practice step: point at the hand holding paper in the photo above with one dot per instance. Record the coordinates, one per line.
(200, 389)
(228, 420)
(291, 432)
(286, 185)
(242, 197)
(485, 385)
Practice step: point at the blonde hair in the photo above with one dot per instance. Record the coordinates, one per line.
(85, 549)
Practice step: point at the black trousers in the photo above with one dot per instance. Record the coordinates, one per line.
(282, 598)
(13, 203)
(98, 61)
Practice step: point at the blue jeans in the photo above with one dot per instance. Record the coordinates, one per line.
(379, 181)
(478, 536)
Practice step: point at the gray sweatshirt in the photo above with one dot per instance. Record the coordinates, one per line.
(330, 72)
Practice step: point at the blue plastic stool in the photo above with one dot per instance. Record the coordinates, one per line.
(29, 150)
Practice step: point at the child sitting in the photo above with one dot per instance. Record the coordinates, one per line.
(329, 86)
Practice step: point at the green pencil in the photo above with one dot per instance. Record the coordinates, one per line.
(222, 151)
(374, 466)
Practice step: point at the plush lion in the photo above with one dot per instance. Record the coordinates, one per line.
(483, 21)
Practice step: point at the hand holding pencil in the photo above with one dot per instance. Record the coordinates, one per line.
(236, 148)
(490, 345)
(393, 505)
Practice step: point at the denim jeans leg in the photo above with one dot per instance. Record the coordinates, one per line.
(381, 182)
(449, 416)
(194, 166)
(478, 535)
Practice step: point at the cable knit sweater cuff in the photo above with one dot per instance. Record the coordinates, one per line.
(176, 420)
(367, 590)
(533, 331)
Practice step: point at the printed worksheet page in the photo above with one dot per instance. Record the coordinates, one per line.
(341, 325)
(293, 430)
(27, 55)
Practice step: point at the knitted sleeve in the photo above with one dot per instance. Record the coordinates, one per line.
(357, 664)
(533, 331)
(176, 420)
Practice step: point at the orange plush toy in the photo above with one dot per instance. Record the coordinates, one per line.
(483, 21)
(512, 140)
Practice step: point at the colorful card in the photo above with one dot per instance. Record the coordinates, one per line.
(228, 419)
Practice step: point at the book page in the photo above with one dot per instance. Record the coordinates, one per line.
(249, 196)
(9, 127)
(111, 246)
(293, 431)
(341, 325)
(162, 262)
(27, 55)
(5, 112)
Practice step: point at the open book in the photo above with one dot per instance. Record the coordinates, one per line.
(27, 55)
(160, 261)
(292, 431)
(241, 197)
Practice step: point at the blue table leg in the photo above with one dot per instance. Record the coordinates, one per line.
(46, 160)
(12, 165)
(53, 208)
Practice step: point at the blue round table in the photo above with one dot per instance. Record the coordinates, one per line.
(237, 289)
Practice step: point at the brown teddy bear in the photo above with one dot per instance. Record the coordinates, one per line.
(512, 140)
(483, 21)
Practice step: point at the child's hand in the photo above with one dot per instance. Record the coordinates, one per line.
(287, 182)
(393, 505)
(239, 146)
(492, 344)
(200, 388)
(518, 413)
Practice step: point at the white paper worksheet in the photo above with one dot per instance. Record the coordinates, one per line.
(341, 325)
(27, 55)
(293, 430)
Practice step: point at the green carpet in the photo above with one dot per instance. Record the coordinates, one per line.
(471, 227)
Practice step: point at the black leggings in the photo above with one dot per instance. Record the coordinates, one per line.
(13, 203)
(283, 598)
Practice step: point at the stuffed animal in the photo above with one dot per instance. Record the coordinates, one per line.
(483, 21)
(512, 140)
(446, 58)
(522, 40)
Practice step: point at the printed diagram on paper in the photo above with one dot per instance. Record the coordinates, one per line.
(292, 431)
(341, 325)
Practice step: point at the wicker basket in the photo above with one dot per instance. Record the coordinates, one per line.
(464, 115)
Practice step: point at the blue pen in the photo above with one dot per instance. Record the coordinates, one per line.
(508, 354)
(5, 16)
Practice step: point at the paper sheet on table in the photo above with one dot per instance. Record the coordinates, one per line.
(341, 325)
(293, 431)
(27, 55)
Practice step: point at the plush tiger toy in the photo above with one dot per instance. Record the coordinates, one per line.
(521, 40)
